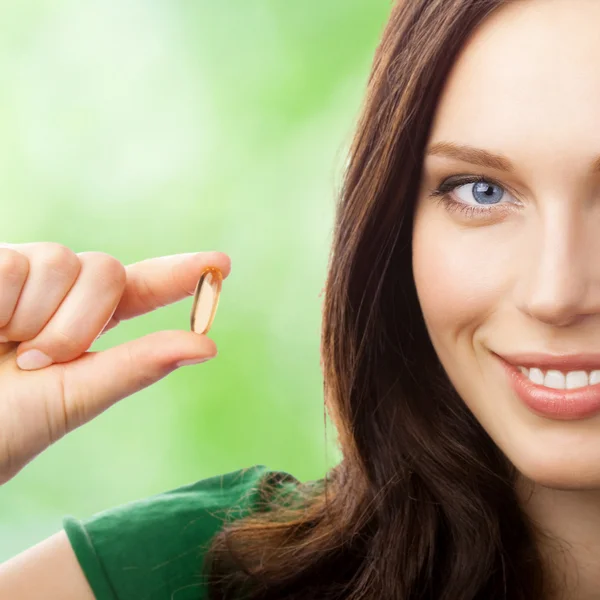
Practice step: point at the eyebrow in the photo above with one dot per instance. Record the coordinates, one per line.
(483, 158)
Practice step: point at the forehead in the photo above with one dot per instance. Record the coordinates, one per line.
(527, 82)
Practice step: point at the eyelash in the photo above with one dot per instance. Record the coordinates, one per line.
(442, 195)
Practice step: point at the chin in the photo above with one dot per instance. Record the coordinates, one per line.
(559, 469)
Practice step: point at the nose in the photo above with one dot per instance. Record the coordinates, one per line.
(560, 272)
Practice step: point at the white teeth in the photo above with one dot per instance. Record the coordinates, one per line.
(559, 380)
(554, 379)
(536, 376)
(576, 379)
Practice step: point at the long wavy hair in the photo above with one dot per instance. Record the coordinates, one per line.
(423, 503)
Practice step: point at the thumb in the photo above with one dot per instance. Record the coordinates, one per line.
(97, 380)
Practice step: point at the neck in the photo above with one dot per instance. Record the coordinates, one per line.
(569, 522)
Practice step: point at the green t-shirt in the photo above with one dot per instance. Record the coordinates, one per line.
(152, 549)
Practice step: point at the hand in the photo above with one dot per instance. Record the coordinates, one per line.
(56, 302)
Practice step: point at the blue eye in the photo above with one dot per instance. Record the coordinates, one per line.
(474, 196)
(482, 192)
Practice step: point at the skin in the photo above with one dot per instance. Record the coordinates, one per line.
(58, 302)
(522, 277)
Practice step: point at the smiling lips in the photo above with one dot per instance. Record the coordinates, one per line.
(558, 387)
(560, 381)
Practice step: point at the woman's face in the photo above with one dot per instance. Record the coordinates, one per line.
(510, 266)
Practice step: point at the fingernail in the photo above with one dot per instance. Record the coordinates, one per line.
(33, 359)
(192, 361)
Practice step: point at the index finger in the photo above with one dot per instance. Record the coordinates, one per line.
(157, 282)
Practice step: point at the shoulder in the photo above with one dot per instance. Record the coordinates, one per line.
(154, 547)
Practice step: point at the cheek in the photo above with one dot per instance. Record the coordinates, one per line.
(459, 274)
(465, 277)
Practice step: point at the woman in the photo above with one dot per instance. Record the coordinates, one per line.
(459, 346)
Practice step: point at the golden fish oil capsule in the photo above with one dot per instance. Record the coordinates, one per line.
(206, 300)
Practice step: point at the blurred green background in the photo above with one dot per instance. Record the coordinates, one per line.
(150, 127)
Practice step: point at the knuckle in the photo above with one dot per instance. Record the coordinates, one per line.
(7, 459)
(13, 264)
(68, 417)
(109, 268)
(64, 346)
(58, 257)
(145, 379)
(145, 375)
(146, 294)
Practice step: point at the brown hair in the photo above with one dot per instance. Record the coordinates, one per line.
(422, 504)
